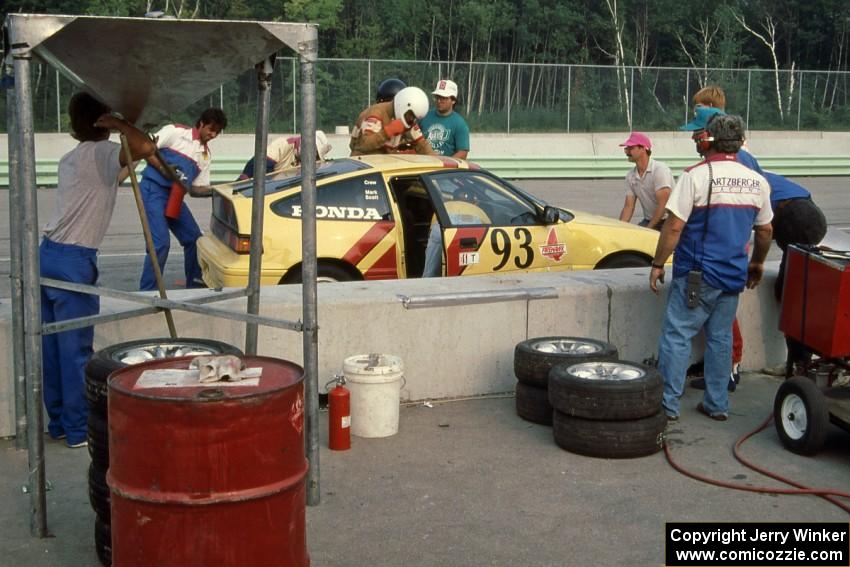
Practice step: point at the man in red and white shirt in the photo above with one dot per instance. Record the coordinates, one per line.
(185, 150)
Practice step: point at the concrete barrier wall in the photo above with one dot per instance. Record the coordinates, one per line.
(448, 351)
(666, 144)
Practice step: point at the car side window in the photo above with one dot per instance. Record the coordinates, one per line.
(500, 204)
(356, 198)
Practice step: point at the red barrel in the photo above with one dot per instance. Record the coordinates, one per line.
(209, 474)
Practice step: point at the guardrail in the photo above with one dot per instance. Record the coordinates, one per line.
(527, 167)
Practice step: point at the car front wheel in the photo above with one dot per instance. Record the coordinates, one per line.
(623, 261)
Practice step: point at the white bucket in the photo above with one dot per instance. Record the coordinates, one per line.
(375, 384)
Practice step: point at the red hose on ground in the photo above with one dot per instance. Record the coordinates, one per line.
(825, 493)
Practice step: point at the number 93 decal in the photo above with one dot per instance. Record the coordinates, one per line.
(503, 245)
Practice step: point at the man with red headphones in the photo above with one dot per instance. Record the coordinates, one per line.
(797, 219)
(711, 211)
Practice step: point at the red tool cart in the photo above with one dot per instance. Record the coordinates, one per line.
(815, 312)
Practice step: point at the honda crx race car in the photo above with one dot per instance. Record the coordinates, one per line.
(375, 214)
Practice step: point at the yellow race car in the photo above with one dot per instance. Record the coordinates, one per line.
(377, 214)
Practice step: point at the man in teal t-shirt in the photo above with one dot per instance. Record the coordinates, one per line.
(446, 129)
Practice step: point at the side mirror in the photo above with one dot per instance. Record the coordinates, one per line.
(549, 215)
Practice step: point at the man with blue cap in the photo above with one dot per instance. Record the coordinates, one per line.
(797, 219)
(711, 212)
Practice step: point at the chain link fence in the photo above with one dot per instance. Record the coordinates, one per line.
(512, 97)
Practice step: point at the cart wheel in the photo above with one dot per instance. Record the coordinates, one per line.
(800, 415)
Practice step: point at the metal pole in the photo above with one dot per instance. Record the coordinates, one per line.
(569, 94)
(146, 231)
(799, 100)
(368, 83)
(221, 97)
(308, 52)
(58, 106)
(36, 483)
(294, 97)
(15, 266)
(509, 98)
(687, 93)
(749, 82)
(632, 99)
(264, 88)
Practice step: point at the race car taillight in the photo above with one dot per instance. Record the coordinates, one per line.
(239, 243)
(225, 227)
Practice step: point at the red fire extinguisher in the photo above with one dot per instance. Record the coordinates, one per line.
(175, 197)
(339, 414)
(175, 200)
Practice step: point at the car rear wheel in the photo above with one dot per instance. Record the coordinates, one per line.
(623, 261)
(324, 274)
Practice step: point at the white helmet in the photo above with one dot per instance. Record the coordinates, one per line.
(410, 98)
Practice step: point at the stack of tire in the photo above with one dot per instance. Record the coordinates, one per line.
(534, 358)
(101, 365)
(607, 408)
(598, 405)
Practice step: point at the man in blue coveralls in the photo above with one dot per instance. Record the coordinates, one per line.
(185, 150)
(85, 198)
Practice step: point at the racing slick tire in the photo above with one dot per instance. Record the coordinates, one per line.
(532, 404)
(623, 439)
(606, 390)
(535, 357)
(113, 357)
(801, 416)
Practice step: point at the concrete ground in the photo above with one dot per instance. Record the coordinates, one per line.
(469, 483)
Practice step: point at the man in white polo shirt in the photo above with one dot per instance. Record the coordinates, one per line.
(649, 182)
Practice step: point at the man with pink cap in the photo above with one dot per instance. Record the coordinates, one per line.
(649, 182)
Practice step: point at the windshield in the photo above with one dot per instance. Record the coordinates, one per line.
(278, 182)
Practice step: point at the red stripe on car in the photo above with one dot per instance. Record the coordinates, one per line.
(385, 268)
(367, 242)
(453, 267)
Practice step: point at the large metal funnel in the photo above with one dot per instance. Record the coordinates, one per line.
(148, 68)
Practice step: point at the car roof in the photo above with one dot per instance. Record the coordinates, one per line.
(385, 163)
(409, 161)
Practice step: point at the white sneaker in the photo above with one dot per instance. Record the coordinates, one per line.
(79, 445)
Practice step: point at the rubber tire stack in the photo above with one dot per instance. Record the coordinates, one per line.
(100, 366)
(532, 363)
(611, 416)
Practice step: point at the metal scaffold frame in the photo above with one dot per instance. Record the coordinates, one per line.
(140, 82)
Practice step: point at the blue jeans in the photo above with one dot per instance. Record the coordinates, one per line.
(65, 354)
(434, 253)
(715, 314)
(184, 227)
